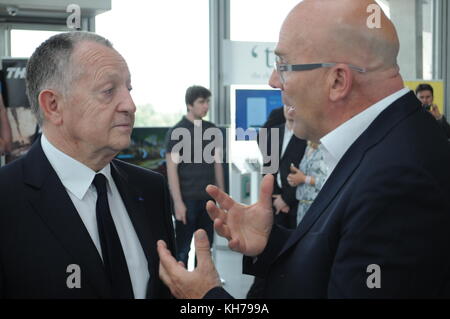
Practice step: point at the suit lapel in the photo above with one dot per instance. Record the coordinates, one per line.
(384, 123)
(133, 200)
(50, 200)
(280, 142)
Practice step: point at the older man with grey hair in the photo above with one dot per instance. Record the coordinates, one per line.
(75, 222)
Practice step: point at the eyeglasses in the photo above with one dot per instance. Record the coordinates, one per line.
(282, 68)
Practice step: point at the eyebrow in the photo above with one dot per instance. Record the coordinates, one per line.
(111, 76)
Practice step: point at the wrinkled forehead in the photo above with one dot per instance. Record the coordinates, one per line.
(97, 60)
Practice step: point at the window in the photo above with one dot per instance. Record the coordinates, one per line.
(166, 46)
(24, 42)
(258, 20)
(261, 20)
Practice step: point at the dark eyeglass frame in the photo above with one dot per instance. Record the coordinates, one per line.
(283, 67)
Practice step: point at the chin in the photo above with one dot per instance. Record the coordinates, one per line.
(300, 134)
(121, 143)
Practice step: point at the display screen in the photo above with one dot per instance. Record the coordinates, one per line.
(253, 108)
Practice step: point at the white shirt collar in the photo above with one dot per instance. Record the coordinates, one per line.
(74, 175)
(338, 141)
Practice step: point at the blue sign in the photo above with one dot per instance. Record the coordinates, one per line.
(253, 108)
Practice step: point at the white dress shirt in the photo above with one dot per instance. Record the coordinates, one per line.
(338, 141)
(77, 179)
(286, 139)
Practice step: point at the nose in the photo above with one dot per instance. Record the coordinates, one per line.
(127, 103)
(275, 80)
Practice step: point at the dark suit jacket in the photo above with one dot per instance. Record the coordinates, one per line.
(41, 233)
(387, 203)
(276, 117)
(293, 154)
(445, 126)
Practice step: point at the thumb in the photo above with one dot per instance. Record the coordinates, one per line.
(293, 169)
(265, 195)
(202, 248)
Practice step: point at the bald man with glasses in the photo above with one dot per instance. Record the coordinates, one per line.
(379, 226)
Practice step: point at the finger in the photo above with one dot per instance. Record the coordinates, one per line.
(202, 249)
(164, 276)
(168, 281)
(222, 229)
(234, 244)
(214, 212)
(220, 196)
(265, 195)
(162, 271)
(166, 258)
(293, 169)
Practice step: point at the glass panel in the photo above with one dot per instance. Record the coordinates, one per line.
(384, 4)
(166, 46)
(24, 42)
(258, 20)
(414, 21)
(261, 20)
(427, 39)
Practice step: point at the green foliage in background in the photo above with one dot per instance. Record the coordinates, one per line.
(147, 116)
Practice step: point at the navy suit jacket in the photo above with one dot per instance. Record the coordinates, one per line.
(41, 233)
(387, 203)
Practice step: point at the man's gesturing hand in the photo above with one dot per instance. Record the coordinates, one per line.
(184, 284)
(247, 228)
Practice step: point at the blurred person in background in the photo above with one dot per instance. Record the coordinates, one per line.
(5, 129)
(308, 179)
(425, 94)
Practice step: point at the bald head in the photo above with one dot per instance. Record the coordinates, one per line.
(337, 31)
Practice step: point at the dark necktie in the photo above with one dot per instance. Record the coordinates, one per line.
(114, 260)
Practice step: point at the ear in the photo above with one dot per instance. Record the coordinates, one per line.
(340, 82)
(50, 104)
(189, 107)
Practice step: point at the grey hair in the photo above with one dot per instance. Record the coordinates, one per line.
(50, 65)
